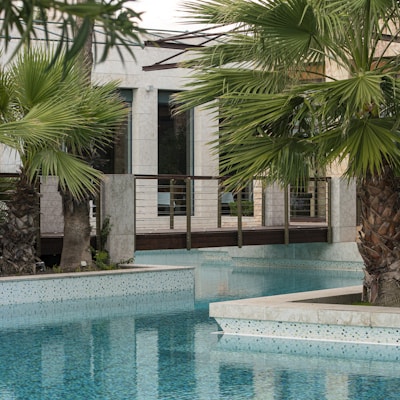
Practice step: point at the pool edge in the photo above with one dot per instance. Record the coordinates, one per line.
(309, 316)
(141, 279)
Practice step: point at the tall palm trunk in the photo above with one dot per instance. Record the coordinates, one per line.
(77, 229)
(379, 243)
(76, 250)
(19, 233)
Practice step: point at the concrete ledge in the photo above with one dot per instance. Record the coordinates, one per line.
(142, 279)
(315, 315)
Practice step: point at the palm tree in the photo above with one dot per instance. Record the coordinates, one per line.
(284, 112)
(77, 227)
(104, 112)
(31, 119)
(52, 118)
(116, 23)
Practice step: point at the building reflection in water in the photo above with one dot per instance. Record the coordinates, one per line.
(163, 346)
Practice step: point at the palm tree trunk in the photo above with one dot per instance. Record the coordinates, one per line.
(76, 243)
(379, 243)
(76, 250)
(19, 233)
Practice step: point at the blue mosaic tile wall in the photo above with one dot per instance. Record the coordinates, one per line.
(310, 348)
(60, 287)
(15, 316)
(326, 332)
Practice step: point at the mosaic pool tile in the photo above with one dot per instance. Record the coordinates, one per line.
(306, 347)
(336, 333)
(15, 316)
(61, 287)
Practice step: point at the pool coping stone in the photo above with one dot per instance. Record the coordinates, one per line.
(314, 315)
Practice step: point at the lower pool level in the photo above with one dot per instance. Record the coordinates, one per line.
(164, 346)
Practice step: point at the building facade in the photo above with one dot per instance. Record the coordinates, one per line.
(156, 142)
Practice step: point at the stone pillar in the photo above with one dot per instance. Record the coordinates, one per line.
(51, 213)
(274, 205)
(344, 210)
(117, 203)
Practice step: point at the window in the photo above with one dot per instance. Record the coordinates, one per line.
(117, 158)
(175, 155)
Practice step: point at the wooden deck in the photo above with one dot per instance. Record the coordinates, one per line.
(172, 239)
(51, 245)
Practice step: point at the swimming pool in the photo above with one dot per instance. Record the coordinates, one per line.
(163, 347)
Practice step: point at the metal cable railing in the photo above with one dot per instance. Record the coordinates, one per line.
(192, 203)
(186, 204)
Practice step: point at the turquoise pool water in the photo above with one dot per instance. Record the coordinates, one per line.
(164, 346)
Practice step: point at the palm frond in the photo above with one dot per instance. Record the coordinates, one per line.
(45, 123)
(117, 25)
(354, 95)
(216, 83)
(51, 110)
(368, 144)
(252, 112)
(270, 120)
(73, 174)
(275, 159)
(36, 83)
(103, 112)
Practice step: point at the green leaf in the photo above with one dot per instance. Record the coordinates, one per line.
(74, 175)
(116, 23)
(53, 118)
(274, 121)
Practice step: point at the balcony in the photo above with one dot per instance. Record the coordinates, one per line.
(175, 212)
(196, 211)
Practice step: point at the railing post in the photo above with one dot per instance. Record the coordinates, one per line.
(188, 213)
(329, 183)
(239, 215)
(134, 215)
(99, 218)
(263, 189)
(219, 209)
(171, 203)
(287, 211)
(37, 223)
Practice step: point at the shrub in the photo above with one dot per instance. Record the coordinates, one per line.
(247, 208)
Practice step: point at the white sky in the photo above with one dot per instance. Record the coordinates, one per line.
(160, 14)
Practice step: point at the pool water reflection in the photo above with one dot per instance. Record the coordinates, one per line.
(161, 347)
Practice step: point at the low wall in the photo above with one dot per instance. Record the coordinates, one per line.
(89, 285)
(322, 255)
(313, 317)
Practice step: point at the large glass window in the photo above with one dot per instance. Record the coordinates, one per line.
(117, 159)
(175, 155)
